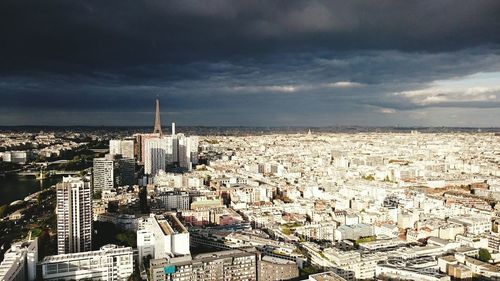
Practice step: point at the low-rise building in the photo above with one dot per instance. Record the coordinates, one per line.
(160, 236)
(109, 263)
(272, 268)
(353, 232)
(224, 265)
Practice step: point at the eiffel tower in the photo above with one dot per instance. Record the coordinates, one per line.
(157, 128)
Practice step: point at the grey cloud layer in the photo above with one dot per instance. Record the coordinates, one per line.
(260, 62)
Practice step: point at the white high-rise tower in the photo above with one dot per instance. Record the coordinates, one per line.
(74, 216)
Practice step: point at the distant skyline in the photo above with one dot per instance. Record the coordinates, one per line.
(250, 63)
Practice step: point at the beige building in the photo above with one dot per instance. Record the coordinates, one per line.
(272, 268)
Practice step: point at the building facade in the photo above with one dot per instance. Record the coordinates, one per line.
(160, 236)
(224, 265)
(111, 263)
(74, 216)
(103, 174)
(19, 263)
(113, 171)
(273, 269)
(174, 200)
(125, 148)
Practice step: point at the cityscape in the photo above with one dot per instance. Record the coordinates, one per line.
(319, 140)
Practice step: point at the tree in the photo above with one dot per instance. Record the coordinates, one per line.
(484, 255)
(4, 210)
(136, 275)
(97, 195)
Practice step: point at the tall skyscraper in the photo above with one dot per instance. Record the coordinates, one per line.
(74, 216)
(157, 128)
(157, 153)
(194, 144)
(187, 151)
(183, 151)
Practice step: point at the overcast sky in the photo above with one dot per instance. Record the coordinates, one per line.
(250, 63)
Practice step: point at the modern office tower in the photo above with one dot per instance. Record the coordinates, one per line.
(140, 145)
(157, 153)
(173, 129)
(224, 265)
(193, 149)
(157, 129)
(174, 200)
(125, 148)
(187, 151)
(184, 151)
(113, 171)
(20, 261)
(111, 262)
(74, 216)
(175, 148)
(103, 174)
(161, 236)
(115, 147)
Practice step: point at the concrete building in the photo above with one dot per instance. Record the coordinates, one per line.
(421, 268)
(224, 265)
(125, 148)
(113, 171)
(353, 232)
(157, 153)
(19, 157)
(111, 263)
(174, 200)
(124, 171)
(103, 174)
(473, 223)
(273, 268)
(326, 276)
(19, 263)
(187, 150)
(161, 236)
(74, 216)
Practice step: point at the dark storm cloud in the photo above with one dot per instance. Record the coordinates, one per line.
(259, 62)
(92, 35)
(364, 78)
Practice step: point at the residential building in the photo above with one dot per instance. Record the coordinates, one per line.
(19, 262)
(273, 268)
(160, 236)
(173, 200)
(74, 216)
(232, 265)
